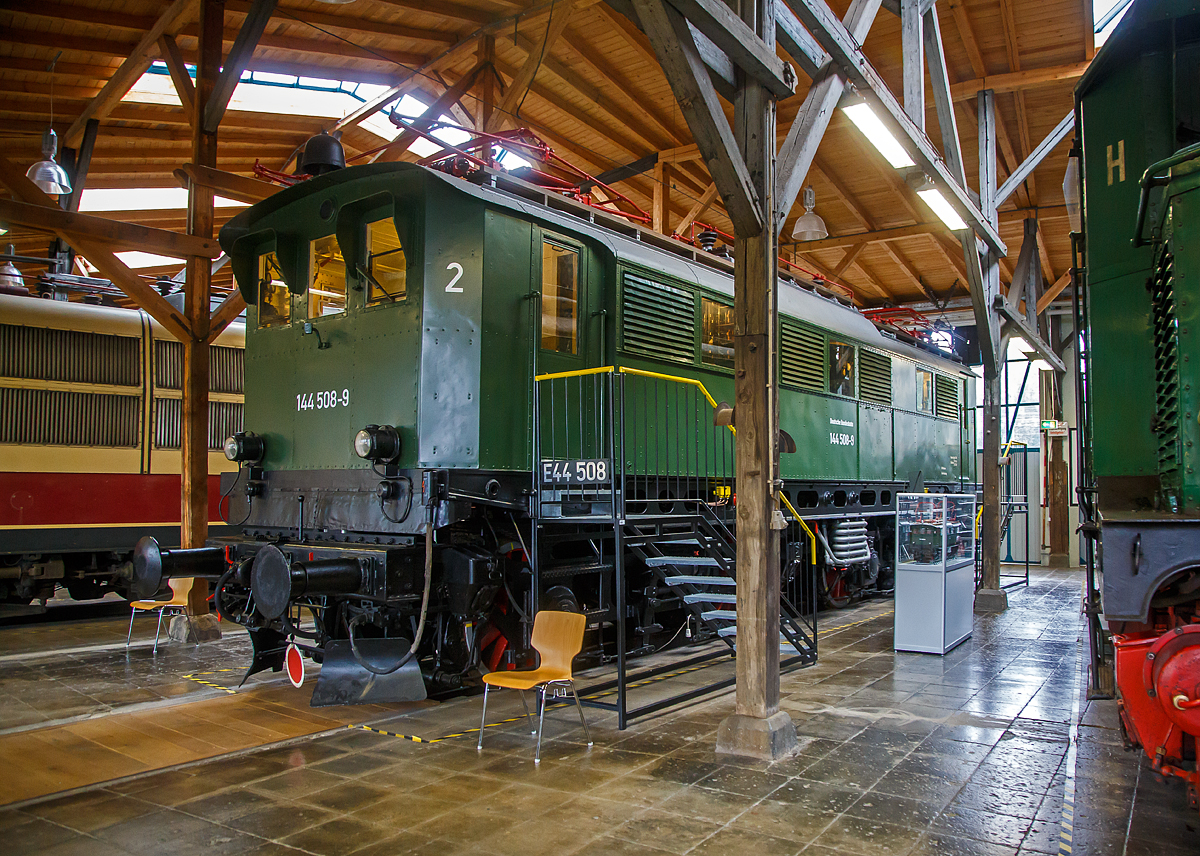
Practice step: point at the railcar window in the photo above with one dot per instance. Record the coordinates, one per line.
(386, 264)
(841, 368)
(716, 342)
(560, 297)
(924, 391)
(327, 289)
(274, 300)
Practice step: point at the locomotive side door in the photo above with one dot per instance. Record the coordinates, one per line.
(569, 330)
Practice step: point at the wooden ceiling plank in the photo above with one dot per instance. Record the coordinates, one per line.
(351, 24)
(130, 70)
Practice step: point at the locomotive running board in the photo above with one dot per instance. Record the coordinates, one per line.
(343, 681)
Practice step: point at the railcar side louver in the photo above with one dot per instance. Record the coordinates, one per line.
(802, 357)
(945, 399)
(659, 321)
(226, 367)
(38, 353)
(43, 417)
(875, 378)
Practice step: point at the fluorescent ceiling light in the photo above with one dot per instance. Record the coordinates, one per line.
(880, 137)
(934, 199)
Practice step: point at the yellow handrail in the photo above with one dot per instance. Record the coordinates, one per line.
(812, 538)
(577, 373)
(692, 381)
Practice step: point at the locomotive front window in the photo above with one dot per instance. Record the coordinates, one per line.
(716, 342)
(924, 391)
(274, 300)
(560, 297)
(386, 263)
(327, 290)
(841, 368)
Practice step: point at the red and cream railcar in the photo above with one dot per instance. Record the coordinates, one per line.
(90, 417)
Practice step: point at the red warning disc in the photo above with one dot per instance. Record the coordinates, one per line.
(294, 664)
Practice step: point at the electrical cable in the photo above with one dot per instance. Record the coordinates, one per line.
(226, 495)
(407, 508)
(358, 619)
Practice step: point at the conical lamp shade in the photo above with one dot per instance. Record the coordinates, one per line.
(50, 177)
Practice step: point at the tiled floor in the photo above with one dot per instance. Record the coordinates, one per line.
(902, 754)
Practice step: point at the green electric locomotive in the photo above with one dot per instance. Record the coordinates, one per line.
(1138, 116)
(400, 476)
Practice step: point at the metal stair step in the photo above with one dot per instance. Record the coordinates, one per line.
(732, 631)
(694, 561)
(555, 572)
(719, 615)
(684, 579)
(710, 598)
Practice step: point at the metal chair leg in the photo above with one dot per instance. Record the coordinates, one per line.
(537, 755)
(129, 635)
(527, 716)
(483, 718)
(586, 731)
(157, 631)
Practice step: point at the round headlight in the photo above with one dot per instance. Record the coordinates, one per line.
(245, 447)
(377, 443)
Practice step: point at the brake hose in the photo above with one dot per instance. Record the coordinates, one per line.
(358, 619)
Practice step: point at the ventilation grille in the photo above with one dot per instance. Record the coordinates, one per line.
(226, 367)
(224, 418)
(874, 377)
(69, 355)
(658, 321)
(42, 417)
(1166, 374)
(945, 397)
(802, 357)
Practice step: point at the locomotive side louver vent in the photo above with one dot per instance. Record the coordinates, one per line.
(802, 357)
(72, 356)
(43, 417)
(226, 367)
(657, 320)
(945, 399)
(224, 419)
(1166, 376)
(874, 377)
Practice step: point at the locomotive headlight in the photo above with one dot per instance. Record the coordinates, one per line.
(378, 443)
(245, 447)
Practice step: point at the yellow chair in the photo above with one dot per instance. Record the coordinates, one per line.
(180, 589)
(557, 636)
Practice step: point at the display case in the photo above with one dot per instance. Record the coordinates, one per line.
(935, 571)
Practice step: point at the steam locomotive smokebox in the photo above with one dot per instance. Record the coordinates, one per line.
(466, 571)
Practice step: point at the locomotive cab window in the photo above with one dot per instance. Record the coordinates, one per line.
(924, 390)
(387, 267)
(716, 337)
(841, 368)
(560, 299)
(274, 300)
(327, 272)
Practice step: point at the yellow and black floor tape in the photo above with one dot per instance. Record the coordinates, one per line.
(194, 676)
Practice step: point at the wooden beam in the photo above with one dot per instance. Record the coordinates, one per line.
(662, 197)
(235, 63)
(83, 164)
(227, 184)
(130, 70)
(231, 307)
(168, 49)
(913, 61)
(967, 35)
(738, 41)
(697, 209)
(939, 79)
(1017, 81)
(361, 23)
(1051, 294)
(486, 55)
(146, 297)
(848, 259)
(688, 76)
(506, 113)
(110, 232)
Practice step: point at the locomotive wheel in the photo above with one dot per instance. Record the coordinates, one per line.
(834, 590)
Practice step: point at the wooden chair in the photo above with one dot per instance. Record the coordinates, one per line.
(180, 589)
(557, 636)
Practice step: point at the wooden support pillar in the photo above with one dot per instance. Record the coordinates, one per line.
(1058, 488)
(990, 597)
(757, 727)
(194, 445)
(487, 84)
(661, 207)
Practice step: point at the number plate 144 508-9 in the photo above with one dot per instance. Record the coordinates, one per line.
(591, 471)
